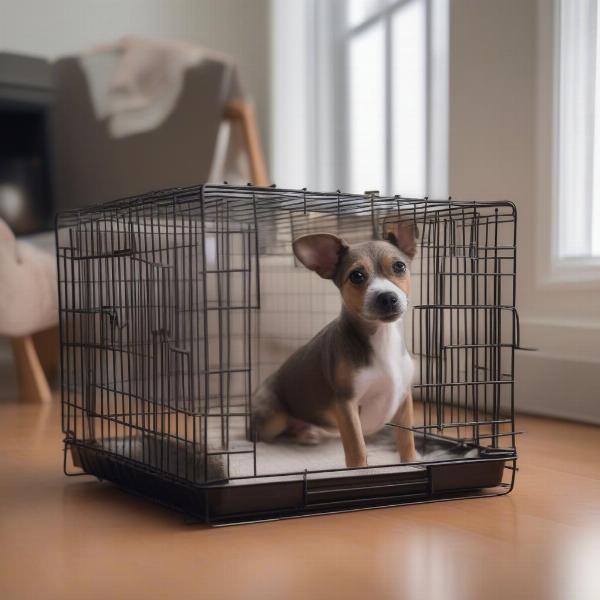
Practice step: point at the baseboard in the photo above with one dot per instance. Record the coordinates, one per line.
(566, 388)
(552, 386)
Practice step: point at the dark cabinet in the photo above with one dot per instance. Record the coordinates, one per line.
(26, 161)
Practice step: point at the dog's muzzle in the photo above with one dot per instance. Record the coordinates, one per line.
(386, 306)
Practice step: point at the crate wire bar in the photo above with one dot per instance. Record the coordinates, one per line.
(174, 305)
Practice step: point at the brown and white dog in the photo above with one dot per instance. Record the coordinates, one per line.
(355, 375)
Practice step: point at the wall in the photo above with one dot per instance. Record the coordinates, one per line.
(500, 119)
(60, 27)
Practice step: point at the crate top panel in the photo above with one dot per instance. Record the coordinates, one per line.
(256, 204)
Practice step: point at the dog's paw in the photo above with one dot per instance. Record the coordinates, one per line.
(412, 457)
(310, 436)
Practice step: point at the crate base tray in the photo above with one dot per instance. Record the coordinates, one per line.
(450, 470)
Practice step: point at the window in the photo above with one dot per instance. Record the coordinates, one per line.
(385, 47)
(577, 229)
(360, 95)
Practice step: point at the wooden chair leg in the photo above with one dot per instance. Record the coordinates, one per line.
(47, 345)
(33, 383)
(243, 112)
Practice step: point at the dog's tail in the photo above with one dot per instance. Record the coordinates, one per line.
(269, 418)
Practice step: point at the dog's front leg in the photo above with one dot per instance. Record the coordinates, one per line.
(405, 437)
(348, 422)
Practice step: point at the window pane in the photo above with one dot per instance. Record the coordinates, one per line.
(408, 99)
(366, 110)
(595, 221)
(360, 10)
(577, 45)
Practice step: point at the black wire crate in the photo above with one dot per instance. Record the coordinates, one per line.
(175, 305)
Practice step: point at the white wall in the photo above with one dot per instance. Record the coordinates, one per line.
(500, 121)
(54, 28)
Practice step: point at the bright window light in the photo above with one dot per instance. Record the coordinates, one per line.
(359, 10)
(366, 110)
(595, 220)
(578, 147)
(408, 99)
(386, 59)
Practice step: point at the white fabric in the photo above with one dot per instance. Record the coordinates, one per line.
(28, 286)
(136, 81)
(134, 85)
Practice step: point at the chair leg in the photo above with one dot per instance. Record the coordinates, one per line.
(47, 346)
(33, 383)
(243, 112)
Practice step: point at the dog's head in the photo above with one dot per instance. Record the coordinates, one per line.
(373, 277)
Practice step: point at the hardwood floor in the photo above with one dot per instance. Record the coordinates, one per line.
(78, 538)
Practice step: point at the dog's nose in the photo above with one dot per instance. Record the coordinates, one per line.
(387, 301)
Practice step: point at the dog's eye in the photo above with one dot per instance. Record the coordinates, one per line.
(399, 267)
(357, 277)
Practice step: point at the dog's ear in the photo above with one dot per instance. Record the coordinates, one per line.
(320, 252)
(403, 233)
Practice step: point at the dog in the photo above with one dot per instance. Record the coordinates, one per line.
(355, 375)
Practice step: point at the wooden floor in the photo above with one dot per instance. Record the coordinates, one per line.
(78, 538)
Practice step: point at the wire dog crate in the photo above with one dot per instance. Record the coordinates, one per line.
(175, 305)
